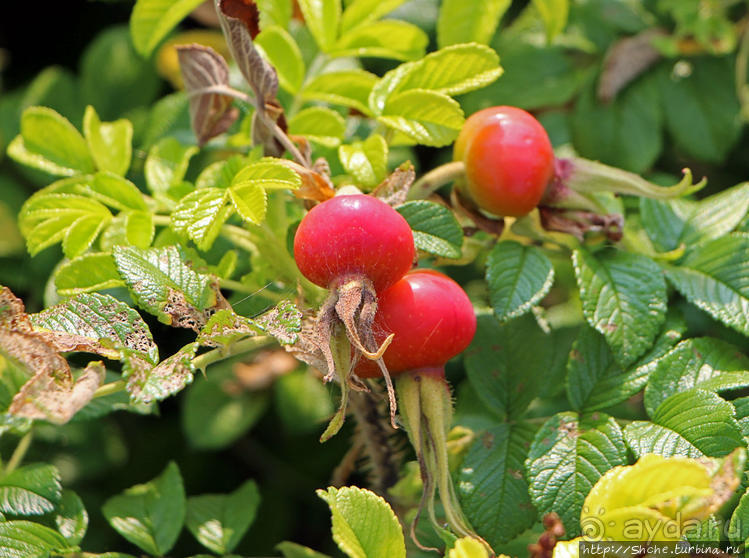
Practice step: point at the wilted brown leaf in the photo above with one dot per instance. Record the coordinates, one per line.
(12, 312)
(625, 60)
(394, 189)
(315, 186)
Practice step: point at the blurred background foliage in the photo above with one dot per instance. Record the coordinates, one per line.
(651, 86)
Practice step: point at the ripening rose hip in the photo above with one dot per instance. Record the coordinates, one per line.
(354, 235)
(508, 160)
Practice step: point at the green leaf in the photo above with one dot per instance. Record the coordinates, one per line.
(518, 277)
(114, 78)
(435, 228)
(359, 12)
(150, 515)
(624, 297)
(248, 189)
(464, 22)
(671, 223)
(707, 95)
(250, 202)
(302, 401)
(110, 143)
(627, 133)
(221, 173)
(24, 539)
(158, 277)
(146, 383)
(30, 490)
(139, 228)
(166, 164)
(554, 15)
(389, 38)
(568, 456)
(200, 215)
(219, 521)
(99, 322)
(151, 21)
(275, 12)
(86, 273)
(715, 277)
(491, 485)
(282, 51)
(705, 363)
(213, 417)
(427, 117)
(694, 422)
(596, 381)
(320, 125)
(507, 364)
(294, 550)
(71, 518)
(349, 88)
(364, 526)
(113, 190)
(452, 71)
(49, 142)
(322, 18)
(365, 160)
(76, 221)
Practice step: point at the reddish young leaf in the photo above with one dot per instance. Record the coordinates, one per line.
(211, 114)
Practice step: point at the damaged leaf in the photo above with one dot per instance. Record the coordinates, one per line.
(147, 383)
(226, 327)
(211, 114)
(284, 322)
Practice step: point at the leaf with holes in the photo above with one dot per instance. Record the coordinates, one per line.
(568, 456)
(624, 297)
(518, 277)
(715, 277)
(694, 422)
(435, 229)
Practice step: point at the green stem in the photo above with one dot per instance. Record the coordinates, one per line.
(110, 388)
(242, 346)
(162, 220)
(19, 453)
(341, 349)
(435, 179)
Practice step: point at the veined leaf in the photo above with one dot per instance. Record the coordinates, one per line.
(464, 22)
(151, 21)
(219, 521)
(518, 277)
(320, 125)
(221, 173)
(387, 38)
(166, 164)
(110, 143)
(86, 273)
(435, 228)
(360, 12)
(491, 486)
(283, 52)
(49, 142)
(705, 363)
(322, 18)
(150, 515)
(76, 221)
(365, 160)
(694, 422)
(200, 215)
(22, 539)
(624, 297)
(349, 88)
(364, 526)
(670, 223)
(427, 117)
(30, 490)
(567, 457)
(715, 277)
(248, 188)
(112, 190)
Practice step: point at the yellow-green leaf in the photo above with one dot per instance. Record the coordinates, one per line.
(110, 143)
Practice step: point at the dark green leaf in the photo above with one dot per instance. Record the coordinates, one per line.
(693, 423)
(507, 364)
(518, 277)
(435, 228)
(30, 490)
(491, 483)
(70, 517)
(715, 277)
(567, 457)
(624, 298)
(302, 401)
(294, 550)
(738, 529)
(219, 521)
(150, 515)
(705, 363)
